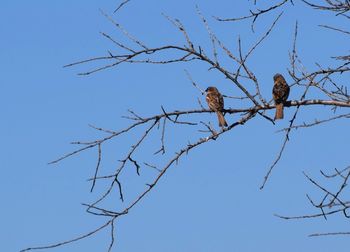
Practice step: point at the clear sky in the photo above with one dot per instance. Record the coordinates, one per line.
(211, 200)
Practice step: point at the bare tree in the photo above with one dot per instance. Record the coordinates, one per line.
(323, 81)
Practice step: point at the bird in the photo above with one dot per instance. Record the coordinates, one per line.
(280, 93)
(216, 104)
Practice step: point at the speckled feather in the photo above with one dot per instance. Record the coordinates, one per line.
(216, 103)
(280, 93)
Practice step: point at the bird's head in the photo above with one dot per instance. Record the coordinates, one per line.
(277, 77)
(211, 89)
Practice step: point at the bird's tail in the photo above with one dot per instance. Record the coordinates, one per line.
(279, 111)
(221, 118)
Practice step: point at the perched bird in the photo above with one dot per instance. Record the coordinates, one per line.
(280, 94)
(216, 103)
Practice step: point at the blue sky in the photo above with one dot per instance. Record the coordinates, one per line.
(209, 202)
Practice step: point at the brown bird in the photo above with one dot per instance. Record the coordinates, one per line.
(280, 94)
(216, 103)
